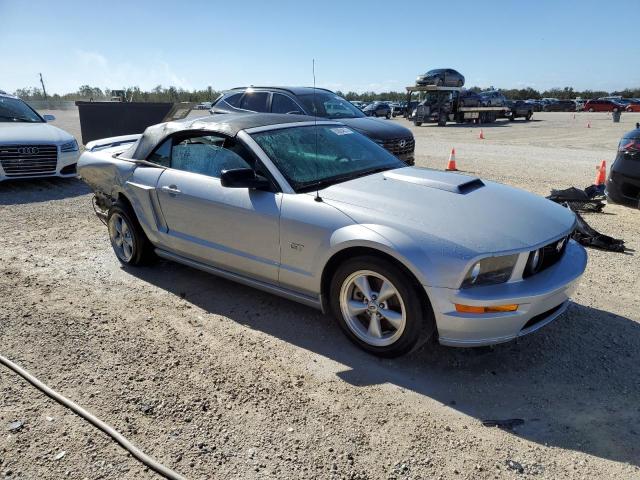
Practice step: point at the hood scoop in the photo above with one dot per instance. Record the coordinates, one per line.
(449, 182)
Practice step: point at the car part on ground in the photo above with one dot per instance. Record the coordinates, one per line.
(322, 103)
(590, 200)
(623, 183)
(31, 148)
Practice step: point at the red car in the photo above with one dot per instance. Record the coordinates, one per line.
(633, 107)
(602, 106)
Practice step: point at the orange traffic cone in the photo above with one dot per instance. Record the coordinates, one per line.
(601, 173)
(451, 166)
(481, 137)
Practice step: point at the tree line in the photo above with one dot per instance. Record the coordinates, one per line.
(135, 94)
(173, 94)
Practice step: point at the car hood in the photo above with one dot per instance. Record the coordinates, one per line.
(13, 133)
(377, 129)
(450, 211)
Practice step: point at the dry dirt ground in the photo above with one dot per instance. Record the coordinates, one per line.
(218, 380)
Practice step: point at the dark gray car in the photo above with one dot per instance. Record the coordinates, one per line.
(322, 103)
(441, 77)
(378, 109)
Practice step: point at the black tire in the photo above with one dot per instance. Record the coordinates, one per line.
(511, 118)
(417, 124)
(528, 116)
(419, 323)
(142, 250)
(388, 116)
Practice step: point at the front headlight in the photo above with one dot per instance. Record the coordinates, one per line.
(71, 146)
(490, 271)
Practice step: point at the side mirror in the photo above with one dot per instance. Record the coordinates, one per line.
(49, 118)
(243, 178)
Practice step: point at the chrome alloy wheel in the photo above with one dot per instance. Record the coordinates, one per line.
(372, 308)
(121, 237)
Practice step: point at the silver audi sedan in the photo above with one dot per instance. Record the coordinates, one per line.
(318, 213)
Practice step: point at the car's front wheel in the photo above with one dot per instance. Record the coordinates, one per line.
(129, 242)
(379, 306)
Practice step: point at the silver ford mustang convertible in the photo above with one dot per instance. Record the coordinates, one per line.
(320, 214)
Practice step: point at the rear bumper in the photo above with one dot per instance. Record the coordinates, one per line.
(623, 190)
(541, 299)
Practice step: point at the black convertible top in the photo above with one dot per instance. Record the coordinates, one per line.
(228, 124)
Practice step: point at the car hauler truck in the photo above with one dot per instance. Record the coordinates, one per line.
(442, 104)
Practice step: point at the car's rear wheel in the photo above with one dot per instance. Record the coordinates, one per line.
(379, 306)
(528, 116)
(129, 242)
(388, 116)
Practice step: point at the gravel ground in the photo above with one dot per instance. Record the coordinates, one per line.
(218, 380)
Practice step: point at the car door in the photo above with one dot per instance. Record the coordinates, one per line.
(236, 229)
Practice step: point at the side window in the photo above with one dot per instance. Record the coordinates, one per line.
(207, 155)
(283, 104)
(254, 101)
(162, 154)
(234, 99)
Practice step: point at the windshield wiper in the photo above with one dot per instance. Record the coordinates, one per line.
(327, 182)
(19, 119)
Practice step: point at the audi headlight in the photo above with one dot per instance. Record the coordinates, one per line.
(490, 271)
(71, 146)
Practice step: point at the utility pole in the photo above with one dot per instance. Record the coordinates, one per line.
(44, 90)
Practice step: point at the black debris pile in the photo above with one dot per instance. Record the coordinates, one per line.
(589, 200)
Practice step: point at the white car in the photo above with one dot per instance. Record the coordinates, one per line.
(29, 147)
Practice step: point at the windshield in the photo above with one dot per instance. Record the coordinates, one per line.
(329, 105)
(15, 110)
(313, 157)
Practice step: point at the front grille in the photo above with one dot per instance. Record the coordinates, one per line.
(400, 146)
(547, 256)
(28, 160)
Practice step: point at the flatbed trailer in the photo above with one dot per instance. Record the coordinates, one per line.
(445, 107)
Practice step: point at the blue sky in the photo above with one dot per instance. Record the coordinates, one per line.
(357, 45)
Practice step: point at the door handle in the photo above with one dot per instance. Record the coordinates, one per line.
(171, 190)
